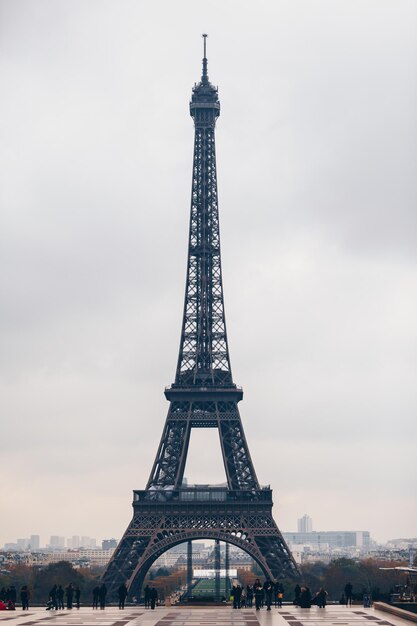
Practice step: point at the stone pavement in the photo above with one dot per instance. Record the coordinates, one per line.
(203, 616)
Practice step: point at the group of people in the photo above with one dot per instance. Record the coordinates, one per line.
(151, 597)
(267, 593)
(8, 598)
(99, 596)
(70, 597)
(56, 597)
(270, 593)
(304, 598)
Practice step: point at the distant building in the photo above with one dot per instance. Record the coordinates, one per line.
(305, 524)
(88, 542)
(56, 542)
(91, 557)
(109, 544)
(22, 544)
(178, 555)
(34, 542)
(330, 538)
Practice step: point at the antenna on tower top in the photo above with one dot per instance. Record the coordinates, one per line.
(204, 77)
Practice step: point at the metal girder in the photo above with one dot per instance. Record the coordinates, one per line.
(169, 465)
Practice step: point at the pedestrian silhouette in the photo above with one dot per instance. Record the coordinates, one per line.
(297, 594)
(348, 594)
(102, 596)
(154, 597)
(147, 592)
(122, 591)
(77, 596)
(24, 598)
(60, 597)
(69, 591)
(96, 594)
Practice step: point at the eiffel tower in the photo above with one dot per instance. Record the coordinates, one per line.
(203, 395)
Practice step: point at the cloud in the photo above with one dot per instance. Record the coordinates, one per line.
(316, 149)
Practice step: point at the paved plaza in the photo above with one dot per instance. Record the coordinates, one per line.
(203, 616)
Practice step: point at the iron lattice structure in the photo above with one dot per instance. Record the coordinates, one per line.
(203, 396)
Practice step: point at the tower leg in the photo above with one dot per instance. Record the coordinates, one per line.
(189, 567)
(217, 570)
(227, 567)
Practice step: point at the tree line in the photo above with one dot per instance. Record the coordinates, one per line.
(365, 576)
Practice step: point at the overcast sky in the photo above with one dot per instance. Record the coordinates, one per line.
(317, 159)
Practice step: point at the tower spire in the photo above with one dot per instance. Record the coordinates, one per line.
(204, 77)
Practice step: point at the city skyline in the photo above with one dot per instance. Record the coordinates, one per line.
(304, 525)
(316, 148)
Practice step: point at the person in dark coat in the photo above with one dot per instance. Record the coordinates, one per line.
(24, 598)
(259, 593)
(249, 596)
(279, 594)
(53, 596)
(77, 596)
(305, 598)
(122, 591)
(60, 597)
(102, 596)
(348, 594)
(297, 594)
(69, 591)
(154, 597)
(268, 589)
(147, 592)
(321, 596)
(237, 595)
(12, 595)
(96, 594)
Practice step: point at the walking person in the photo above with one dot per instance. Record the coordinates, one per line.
(96, 594)
(24, 598)
(154, 597)
(102, 596)
(237, 595)
(12, 594)
(69, 591)
(122, 591)
(305, 598)
(77, 596)
(279, 594)
(53, 597)
(348, 593)
(321, 596)
(60, 597)
(259, 593)
(249, 596)
(268, 589)
(297, 594)
(147, 592)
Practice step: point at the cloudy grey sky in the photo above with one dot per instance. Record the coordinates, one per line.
(317, 158)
